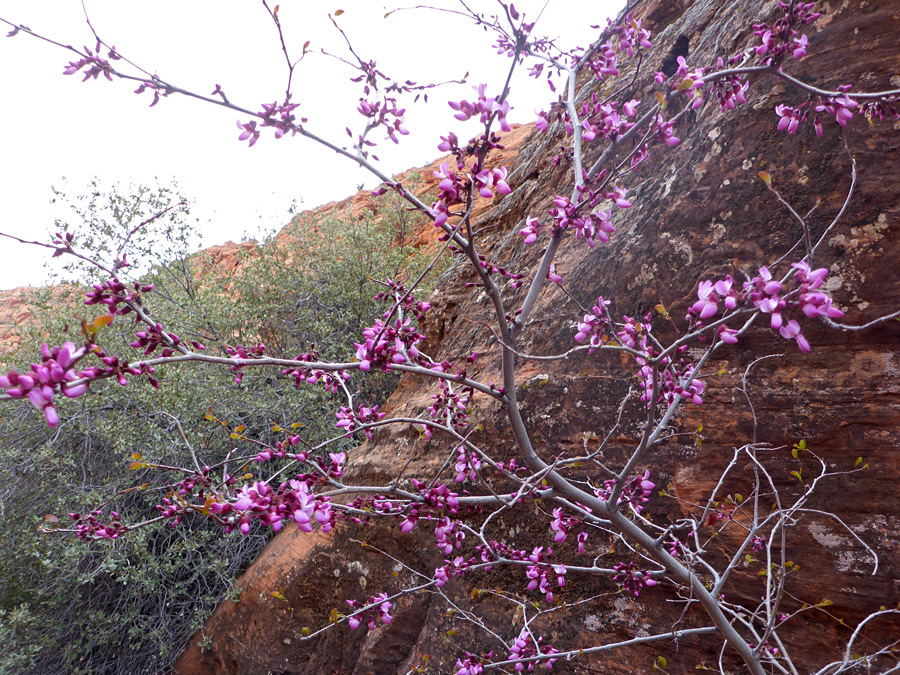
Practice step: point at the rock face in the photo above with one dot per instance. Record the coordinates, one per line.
(700, 211)
(15, 311)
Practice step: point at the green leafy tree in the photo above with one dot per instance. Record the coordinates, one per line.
(71, 607)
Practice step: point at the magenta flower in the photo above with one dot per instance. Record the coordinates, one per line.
(790, 118)
(531, 229)
(792, 330)
(728, 335)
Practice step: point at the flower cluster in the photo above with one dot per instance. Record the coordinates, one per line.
(636, 491)
(782, 37)
(292, 500)
(241, 352)
(634, 333)
(381, 113)
(95, 65)
(472, 664)
(379, 612)
(449, 407)
(730, 91)
(150, 338)
(631, 579)
(600, 117)
(604, 60)
(89, 527)
(769, 296)
(525, 645)
(562, 523)
(279, 116)
(454, 187)
(484, 108)
(467, 464)
(350, 420)
(55, 372)
(436, 500)
(841, 107)
(280, 450)
(114, 293)
(594, 325)
(388, 343)
(331, 381)
(580, 216)
(449, 536)
(540, 572)
(673, 381)
(631, 34)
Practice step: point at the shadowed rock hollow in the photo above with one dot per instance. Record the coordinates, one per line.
(700, 211)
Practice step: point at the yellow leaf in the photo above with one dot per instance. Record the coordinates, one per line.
(686, 84)
(134, 466)
(305, 631)
(50, 518)
(101, 322)
(297, 425)
(825, 603)
(136, 455)
(338, 12)
(240, 429)
(766, 177)
(234, 436)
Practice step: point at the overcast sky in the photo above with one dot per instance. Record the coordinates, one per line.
(55, 127)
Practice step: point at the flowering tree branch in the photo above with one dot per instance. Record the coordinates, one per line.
(677, 556)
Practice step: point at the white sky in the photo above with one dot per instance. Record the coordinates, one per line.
(55, 126)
